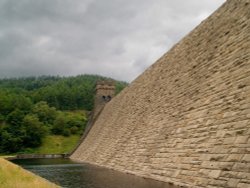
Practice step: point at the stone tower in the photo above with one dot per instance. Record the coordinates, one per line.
(105, 91)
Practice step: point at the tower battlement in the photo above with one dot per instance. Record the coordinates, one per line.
(105, 85)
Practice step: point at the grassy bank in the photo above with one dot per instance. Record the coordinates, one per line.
(6, 156)
(52, 144)
(13, 176)
(57, 144)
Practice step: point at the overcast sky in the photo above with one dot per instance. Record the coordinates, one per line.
(115, 38)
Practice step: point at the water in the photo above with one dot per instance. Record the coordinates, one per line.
(69, 174)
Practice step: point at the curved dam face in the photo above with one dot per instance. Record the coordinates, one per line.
(186, 119)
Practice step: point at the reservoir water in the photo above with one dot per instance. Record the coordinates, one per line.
(70, 174)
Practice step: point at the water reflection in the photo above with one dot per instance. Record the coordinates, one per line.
(69, 174)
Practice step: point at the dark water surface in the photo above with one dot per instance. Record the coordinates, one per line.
(67, 173)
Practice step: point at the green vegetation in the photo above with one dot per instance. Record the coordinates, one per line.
(33, 109)
(23, 130)
(12, 176)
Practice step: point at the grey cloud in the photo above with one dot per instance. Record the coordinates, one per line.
(114, 38)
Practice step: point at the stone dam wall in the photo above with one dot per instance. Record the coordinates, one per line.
(186, 119)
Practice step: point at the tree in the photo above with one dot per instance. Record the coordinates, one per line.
(60, 126)
(14, 121)
(23, 103)
(10, 143)
(1, 118)
(35, 131)
(76, 122)
(45, 113)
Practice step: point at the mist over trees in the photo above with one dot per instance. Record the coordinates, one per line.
(33, 107)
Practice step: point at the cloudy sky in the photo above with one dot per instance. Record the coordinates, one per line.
(115, 38)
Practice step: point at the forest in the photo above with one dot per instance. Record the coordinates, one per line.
(33, 107)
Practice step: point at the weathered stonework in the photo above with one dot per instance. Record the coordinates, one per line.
(104, 92)
(186, 119)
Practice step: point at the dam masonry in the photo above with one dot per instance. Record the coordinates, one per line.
(186, 119)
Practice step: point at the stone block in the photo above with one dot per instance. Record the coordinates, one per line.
(210, 165)
(218, 183)
(229, 174)
(232, 182)
(205, 157)
(241, 139)
(221, 133)
(220, 150)
(229, 140)
(243, 185)
(246, 158)
(241, 124)
(234, 157)
(244, 175)
(214, 173)
(218, 157)
(242, 167)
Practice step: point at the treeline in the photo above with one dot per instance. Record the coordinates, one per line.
(31, 108)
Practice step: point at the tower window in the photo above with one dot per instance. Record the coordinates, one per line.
(106, 98)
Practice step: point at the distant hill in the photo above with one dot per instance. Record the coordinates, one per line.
(63, 93)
